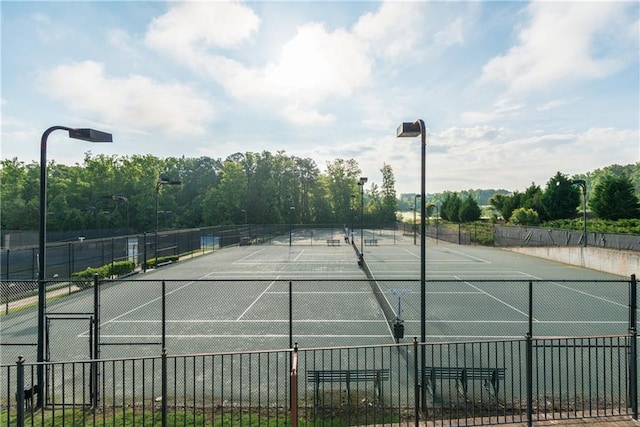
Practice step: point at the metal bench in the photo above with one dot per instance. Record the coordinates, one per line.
(371, 242)
(333, 242)
(377, 376)
(490, 377)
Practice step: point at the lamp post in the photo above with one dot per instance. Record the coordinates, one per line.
(245, 216)
(415, 199)
(126, 202)
(161, 181)
(353, 198)
(90, 135)
(583, 184)
(361, 182)
(405, 130)
(291, 211)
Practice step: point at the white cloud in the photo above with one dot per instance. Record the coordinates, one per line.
(200, 25)
(557, 45)
(134, 101)
(315, 65)
(392, 30)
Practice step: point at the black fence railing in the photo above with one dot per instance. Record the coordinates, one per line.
(482, 383)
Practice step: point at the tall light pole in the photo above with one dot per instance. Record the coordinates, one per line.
(126, 202)
(415, 199)
(353, 198)
(90, 135)
(408, 129)
(583, 184)
(361, 182)
(161, 181)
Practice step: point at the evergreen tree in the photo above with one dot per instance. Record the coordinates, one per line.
(614, 198)
(469, 210)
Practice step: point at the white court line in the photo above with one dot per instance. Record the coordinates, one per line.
(299, 255)
(246, 336)
(499, 300)
(577, 291)
(451, 261)
(256, 321)
(250, 255)
(140, 306)
(259, 296)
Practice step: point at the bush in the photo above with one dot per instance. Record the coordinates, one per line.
(116, 269)
(522, 216)
(151, 263)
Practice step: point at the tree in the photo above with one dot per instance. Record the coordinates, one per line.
(469, 210)
(614, 198)
(525, 216)
(449, 211)
(389, 200)
(561, 198)
(506, 203)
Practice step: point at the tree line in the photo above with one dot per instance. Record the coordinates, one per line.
(607, 196)
(142, 191)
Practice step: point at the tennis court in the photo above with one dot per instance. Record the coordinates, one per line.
(242, 298)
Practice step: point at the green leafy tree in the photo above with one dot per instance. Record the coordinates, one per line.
(469, 210)
(561, 198)
(506, 203)
(525, 216)
(449, 211)
(614, 198)
(389, 202)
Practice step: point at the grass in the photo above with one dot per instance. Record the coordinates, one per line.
(217, 417)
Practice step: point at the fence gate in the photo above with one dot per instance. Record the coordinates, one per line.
(54, 380)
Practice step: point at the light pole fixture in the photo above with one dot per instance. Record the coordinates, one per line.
(361, 182)
(90, 135)
(245, 216)
(406, 130)
(161, 181)
(583, 184)
(291, 211)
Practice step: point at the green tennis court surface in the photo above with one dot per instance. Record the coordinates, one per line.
(239, 299)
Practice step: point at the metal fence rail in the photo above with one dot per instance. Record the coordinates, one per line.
(482, 383)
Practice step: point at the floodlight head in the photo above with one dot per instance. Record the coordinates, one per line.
(408, 129)
(363, 180)
(90, 135)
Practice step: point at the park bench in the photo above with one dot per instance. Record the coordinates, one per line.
(371, 242)
(490, 377)
(333, 242)
(377, 376)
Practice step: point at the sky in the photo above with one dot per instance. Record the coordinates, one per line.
(510, 92)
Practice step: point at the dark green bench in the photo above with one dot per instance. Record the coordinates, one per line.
(371, 242)
(333, 242)
(377, 376)
(490, 377)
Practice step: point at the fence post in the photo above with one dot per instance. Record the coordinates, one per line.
(144, 252)
(7, 264)
(164, 387)
(416, 384)
(96, 342)
(293, 387)
(529, 359)
(20, 391)
(633, 348)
